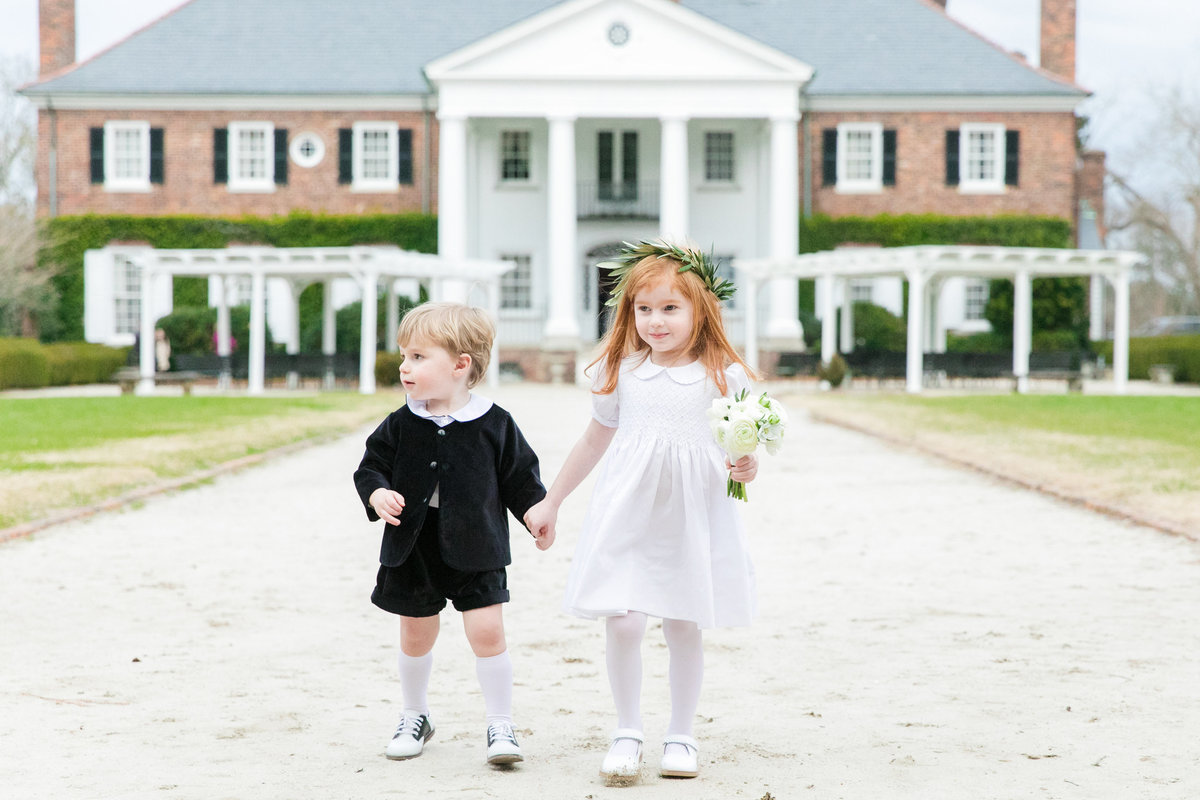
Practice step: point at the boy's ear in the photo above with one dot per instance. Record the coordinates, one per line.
(463, 362)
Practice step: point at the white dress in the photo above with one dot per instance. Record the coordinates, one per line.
(660, 535)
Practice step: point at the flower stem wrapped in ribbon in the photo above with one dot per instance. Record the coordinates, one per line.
(740, 423)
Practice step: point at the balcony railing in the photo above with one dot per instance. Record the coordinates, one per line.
(605, 200)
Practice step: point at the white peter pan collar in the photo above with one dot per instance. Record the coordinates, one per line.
(684, 373)
(475, 408)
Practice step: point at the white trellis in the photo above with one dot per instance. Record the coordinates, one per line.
(369, 266)
(923, 267)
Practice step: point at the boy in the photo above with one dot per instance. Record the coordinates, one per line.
(441, 471)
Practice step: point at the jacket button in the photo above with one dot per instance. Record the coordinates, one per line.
(441, 431)
(433, 465)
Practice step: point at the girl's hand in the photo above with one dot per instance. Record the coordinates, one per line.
(387, 504)
(744, 469)
(541, 519)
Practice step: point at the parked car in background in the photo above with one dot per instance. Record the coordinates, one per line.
(1169, 326)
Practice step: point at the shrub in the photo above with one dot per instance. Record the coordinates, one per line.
(23, 364)
(989, 342)
(75, 363)
(834, 372)
(878, 330)
(1181, 351)
(387, 368)
(191, 330)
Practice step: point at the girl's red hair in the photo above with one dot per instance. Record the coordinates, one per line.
(708, 343)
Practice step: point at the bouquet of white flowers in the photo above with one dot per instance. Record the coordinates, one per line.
(740, 423)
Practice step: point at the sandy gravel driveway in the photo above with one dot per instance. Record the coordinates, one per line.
(924, 632)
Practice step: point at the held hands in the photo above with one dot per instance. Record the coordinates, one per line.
(387, 504)
(541, 519)
(744, 469)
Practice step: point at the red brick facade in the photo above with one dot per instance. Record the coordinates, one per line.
(56, 35)
(1047, 166)
(1058, 38)
(188, 186)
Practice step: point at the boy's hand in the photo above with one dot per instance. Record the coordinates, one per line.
(744, 469)
(541, 519)
(387, 504)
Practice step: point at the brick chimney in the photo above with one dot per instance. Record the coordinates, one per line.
(941, 3)
(56, 34)
(1058, 38)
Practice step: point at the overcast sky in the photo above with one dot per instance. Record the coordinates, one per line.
(1125, 47)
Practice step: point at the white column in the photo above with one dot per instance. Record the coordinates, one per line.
(224, 343)
(293, 340)
(1121, 332)
(258, 333)
(674, 188)
(784, 209)
(393, 317)
(562, 321)
(825, 289)
(1096, 326)
(933, 292)
(1022, 328)
(328, 331)
(146, 342)
(846, 323)
(452, 202)
(750, 284)
(366, 350)
(914, 355)
(492, 289)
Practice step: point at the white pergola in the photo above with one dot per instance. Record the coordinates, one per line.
(368, 266)
(925, 267)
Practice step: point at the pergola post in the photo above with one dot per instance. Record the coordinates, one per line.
(914, 353)
(293, 340)
(366, 351)
(1022, 328)
(846, 323)
(393, 318)
(146, 337)
(828, 318)
(328, 331)
(224, 348)
(258, 332)
(1121, 331)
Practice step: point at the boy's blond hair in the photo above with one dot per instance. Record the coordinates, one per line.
(454, 327)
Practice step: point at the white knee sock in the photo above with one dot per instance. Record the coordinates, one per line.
(495, 675)
(414, 682)
(623, 654)
(686, 646)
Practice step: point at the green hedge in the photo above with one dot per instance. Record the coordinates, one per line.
(74, 235)
(387, 368)
(1181, 351)
(26, 364)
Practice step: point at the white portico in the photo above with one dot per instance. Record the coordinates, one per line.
(924, 267)
(601, 121)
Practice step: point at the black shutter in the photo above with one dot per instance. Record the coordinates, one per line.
(952, 158)
(1012, 157)
(345, 155)
(220, 155)
(281, 156)
(156, 156)
(629, 159)
(96, 151)
(829, 156)
(404, 146)
(889, 157)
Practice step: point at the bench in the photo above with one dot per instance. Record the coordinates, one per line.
(1059, 365)
(128, 378)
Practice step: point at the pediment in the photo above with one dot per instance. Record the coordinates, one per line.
(618, 41)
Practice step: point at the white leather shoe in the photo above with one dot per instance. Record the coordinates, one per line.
(411, 735)
(682, 760)
(622, 769)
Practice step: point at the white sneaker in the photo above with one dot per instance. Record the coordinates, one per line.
(681, 760)
(502, 747)
(621, 768)
(410, 737)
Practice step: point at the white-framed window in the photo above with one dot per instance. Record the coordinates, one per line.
(860, 157)
(251, 157)
(307, 149)
(127, 156)
(975, 297)
(516, 285)
(981, 157)
(127, 295)
(719, 158)
(515, 165)
(375, 156)
(862, 291)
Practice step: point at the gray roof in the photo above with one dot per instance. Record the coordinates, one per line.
(379, 47)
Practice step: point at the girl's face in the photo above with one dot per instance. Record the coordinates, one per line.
(432, 374)
(663, 318)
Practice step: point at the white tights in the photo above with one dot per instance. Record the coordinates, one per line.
(623, 653)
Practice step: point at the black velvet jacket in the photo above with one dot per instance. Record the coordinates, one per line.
(481, 467)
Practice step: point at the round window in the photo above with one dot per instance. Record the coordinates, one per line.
(618, 34)
(307, 150)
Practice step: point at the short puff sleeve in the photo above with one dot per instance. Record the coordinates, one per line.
(605, 407)
(736, 380)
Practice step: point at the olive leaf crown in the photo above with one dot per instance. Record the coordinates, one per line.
(691, 260)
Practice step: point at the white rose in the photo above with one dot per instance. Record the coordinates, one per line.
(742, 438)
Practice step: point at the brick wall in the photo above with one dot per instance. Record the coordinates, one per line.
(1047, 166)
(56, 34)
(188, 166)
(1058, 38)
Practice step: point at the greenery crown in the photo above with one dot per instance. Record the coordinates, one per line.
(690, 260)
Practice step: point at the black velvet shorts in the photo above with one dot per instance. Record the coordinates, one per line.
(421, 585)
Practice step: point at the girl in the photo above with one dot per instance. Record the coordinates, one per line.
(660, 537)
